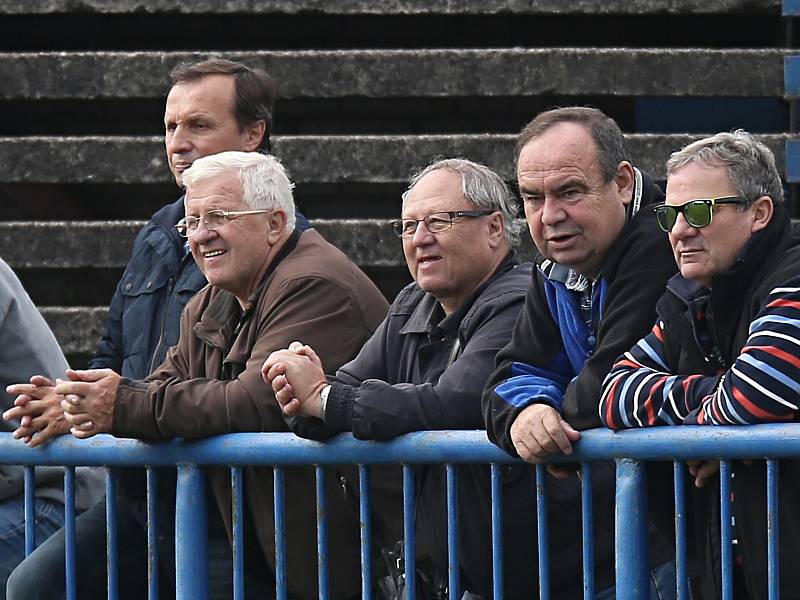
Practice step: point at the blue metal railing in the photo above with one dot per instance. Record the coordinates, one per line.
(630, 449)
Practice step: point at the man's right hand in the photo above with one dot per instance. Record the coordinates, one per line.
(539, 432)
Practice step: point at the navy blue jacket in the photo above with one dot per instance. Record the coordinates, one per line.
(144, 316)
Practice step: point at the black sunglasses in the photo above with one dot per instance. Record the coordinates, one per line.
(697, 213)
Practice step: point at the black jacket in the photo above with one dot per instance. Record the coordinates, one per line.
(770, 260)
(553, 357)
(411, 376)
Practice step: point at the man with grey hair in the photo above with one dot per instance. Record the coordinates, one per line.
(725, 348)
(426, 365)
(268, 284)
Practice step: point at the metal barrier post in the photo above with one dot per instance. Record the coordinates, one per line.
(191, 536)
(631, 523)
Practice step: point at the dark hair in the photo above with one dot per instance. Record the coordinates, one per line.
(611, 148)
(254, 96)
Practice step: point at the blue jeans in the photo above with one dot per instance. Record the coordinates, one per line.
(662, 584)
(49, 518)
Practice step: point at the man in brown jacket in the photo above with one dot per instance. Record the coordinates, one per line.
(269, 285)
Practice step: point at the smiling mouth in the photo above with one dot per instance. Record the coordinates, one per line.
(426, 260)
(213, 253)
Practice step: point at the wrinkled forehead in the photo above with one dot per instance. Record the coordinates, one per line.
(223, 191)
(213, 94)
(437, 191)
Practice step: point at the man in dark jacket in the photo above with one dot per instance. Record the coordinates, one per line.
(213, 106)
(601, 270)
(725, 349)
(268, 283)
(425, 367)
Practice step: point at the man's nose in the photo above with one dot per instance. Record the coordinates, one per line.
(202, 234)
(179, 142)
(681, 228)
(422, 235)
(552, 212)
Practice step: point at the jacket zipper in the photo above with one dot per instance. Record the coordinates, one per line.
(170, 286)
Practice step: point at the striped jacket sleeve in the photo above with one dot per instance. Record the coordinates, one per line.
(763, 385)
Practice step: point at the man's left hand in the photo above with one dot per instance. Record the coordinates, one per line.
(89, 399)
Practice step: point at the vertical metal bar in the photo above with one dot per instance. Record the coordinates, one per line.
(30, 510)
(587, 524)
(280, 533)
(237, 487)
(682, 582)
(497, 531)
(112, 536)
(773, 557)
(452, 531)
(366, 532)
(631, 544)
(726, 552)
(541, 529)
(69, 531)
(191, 534)
(322, 534)
(152, 534)
(408, 532)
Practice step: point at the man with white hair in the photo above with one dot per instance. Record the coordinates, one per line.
(268, 285)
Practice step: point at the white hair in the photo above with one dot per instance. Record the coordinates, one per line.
(264, 180)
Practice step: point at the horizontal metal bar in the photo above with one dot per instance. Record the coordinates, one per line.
(457, 447)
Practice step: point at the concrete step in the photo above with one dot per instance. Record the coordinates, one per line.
(391, 7)
(414, 73)
(106, 244)
(309, 159)
(77, 328)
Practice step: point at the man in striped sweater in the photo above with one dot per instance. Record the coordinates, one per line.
(725, 349)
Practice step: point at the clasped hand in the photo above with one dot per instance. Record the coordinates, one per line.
(82, 405)
(296, 376)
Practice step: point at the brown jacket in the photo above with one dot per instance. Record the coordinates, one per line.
(210, 383)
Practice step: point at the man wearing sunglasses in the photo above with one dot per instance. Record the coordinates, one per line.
(725, 349)
(601, 270)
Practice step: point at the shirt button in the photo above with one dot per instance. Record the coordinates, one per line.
(591, 340)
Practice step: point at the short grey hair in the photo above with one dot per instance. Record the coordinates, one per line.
(751, 165)
(481, 187)
(265, 183)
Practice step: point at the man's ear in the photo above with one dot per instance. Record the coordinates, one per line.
(277, 225)
(762, 210)
(496, 229)
(254, 134)
(623, 181)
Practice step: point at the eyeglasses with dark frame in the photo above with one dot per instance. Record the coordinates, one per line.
(213, 219)
(698, 213)
(435, 222)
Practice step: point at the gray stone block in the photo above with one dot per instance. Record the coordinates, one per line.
(309, 159)
(77, 328)
(389, 7)
(415, 73)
